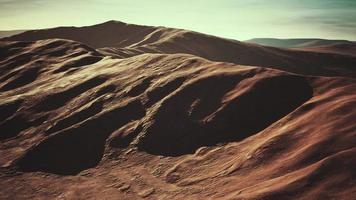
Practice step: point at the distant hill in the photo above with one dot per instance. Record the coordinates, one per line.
(296, 43)
(10, 33)
(344, 47)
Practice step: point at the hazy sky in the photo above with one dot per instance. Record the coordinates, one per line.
(238, 19)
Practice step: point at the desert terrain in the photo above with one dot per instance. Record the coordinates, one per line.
(123, 111)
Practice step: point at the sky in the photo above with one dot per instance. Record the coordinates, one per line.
(236, 19)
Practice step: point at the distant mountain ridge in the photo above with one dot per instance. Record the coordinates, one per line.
(121, 40)
(342, 47)
(297, 43)
(10, 33)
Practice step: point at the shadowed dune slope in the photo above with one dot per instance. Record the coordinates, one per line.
(77, 124)
(123, 40)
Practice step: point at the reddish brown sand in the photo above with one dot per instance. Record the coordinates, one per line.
(79, 124)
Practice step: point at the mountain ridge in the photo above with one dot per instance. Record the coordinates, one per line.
(297, 42)
(123, 40)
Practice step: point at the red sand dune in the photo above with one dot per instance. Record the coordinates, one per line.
(78, 124)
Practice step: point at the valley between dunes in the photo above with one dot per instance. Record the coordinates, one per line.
(120, 111)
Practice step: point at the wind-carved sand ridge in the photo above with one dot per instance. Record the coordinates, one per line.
(153, 115)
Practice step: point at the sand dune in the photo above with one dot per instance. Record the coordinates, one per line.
(122, 40)
(78, 123)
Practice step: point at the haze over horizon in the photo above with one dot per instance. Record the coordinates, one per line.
(236, 19)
